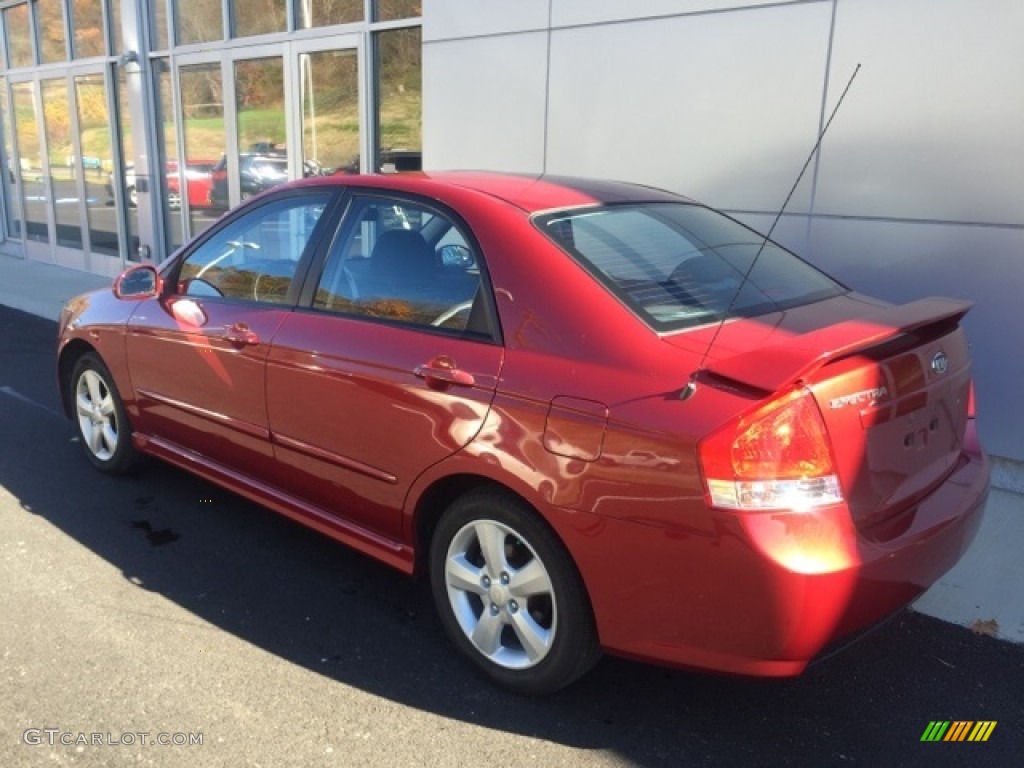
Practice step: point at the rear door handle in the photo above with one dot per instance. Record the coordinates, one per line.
(442, 371)
(240, 334)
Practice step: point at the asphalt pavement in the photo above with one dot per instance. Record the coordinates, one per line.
(159, 606)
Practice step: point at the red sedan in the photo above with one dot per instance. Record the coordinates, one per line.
(198, 181)
(599, 416)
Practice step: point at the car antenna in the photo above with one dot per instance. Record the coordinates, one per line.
(691, 385)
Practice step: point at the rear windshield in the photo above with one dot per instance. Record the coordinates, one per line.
(679, 265)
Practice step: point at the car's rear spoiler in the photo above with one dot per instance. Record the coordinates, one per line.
(776, 366)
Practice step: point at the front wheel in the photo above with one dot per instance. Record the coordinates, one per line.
(509, 596)
(103, 427)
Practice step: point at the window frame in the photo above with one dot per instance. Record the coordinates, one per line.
(354, 204)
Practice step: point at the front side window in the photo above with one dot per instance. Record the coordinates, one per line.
(406, 263)
(255, 257)
(682, 265)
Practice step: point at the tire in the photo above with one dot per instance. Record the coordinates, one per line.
(509, 595)
(98, 414)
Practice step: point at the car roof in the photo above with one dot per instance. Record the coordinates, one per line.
(531, 193)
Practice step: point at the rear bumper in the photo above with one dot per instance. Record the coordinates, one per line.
(762, 594)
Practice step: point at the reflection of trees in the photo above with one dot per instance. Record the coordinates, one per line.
(202, 97)
(388, 10)
(330, 107)
(322, 13)
(51, 30)
(201, 90)
(92, 101)
(18, 36)
(87, 20)
(259, 83)
(124, 115)
(26, 128)
(92, 118)
(335, 80)
(199, 21)
(399, 54)
(259, 91)
(404, 311)
(258, 17)
(57, 119)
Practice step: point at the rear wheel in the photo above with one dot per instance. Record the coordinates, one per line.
(103, 428)
(509, 596)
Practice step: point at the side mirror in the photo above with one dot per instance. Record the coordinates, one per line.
(457, 256)
(140, 282)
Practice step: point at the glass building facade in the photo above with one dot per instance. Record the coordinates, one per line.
(129, 126)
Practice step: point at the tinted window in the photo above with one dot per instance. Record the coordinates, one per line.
(403, 262)
(679, 265)
(255, 256)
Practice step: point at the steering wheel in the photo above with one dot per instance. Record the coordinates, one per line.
(451, 312)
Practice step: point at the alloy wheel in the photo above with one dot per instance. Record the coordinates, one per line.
(97, 415)
(501, 594)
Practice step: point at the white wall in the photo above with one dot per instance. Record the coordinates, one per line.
(919, 186)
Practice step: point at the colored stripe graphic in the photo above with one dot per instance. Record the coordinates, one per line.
(935, 731)
(958, 730)
(982, 730)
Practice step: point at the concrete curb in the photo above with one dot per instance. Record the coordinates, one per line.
(1008, 475)
(42, 289)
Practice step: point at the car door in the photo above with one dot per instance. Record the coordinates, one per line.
(391, 368)
(197, 353)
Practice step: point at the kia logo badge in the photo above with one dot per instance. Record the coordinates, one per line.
(940, 363)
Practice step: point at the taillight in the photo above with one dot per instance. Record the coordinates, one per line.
(778, 457)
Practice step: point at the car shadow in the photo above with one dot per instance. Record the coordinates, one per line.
(318, 604)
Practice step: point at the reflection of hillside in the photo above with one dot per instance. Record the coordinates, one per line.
(422, 313)
(241, 283)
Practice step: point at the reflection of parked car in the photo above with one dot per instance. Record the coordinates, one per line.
(198, 181)
(389, 161)
(256, 173)
(546, 421)
(129, 186)
(398, 160)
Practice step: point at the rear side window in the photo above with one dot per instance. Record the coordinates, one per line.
(403, 262)
(682, 265)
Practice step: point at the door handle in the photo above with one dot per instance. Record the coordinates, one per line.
(240, 334)
(442, 371)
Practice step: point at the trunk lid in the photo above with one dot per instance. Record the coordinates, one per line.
(893, 388)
